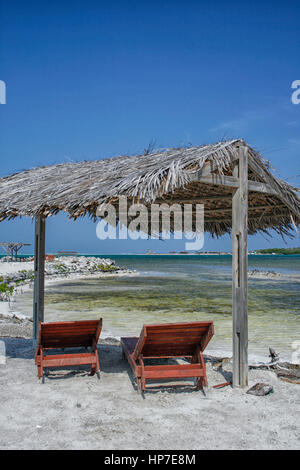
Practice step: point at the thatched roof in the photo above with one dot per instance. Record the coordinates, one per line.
(170, 175)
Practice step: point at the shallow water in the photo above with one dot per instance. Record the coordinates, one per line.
(183, 288)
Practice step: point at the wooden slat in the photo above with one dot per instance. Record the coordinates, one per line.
(65, 361)
(68, 356)
(53, 345)
(175, 352)
(184, 335)
(176, 334)
(91, 328)
(175, 372)
(174, 326)
(168, 351)
(166, 342)
(169, 345)
(65, 333)
(70, 327)
(67, 341)
(76, 324)
(170, 357)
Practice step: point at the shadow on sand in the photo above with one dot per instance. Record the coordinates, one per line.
(111, 362)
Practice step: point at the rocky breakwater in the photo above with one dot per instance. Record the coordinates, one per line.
(12, 281)
(16, 277)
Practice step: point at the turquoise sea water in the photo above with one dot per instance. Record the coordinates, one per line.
(184, 288)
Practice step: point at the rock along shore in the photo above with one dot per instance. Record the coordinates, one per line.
(16, 277)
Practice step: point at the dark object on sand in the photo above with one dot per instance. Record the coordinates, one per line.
(222, 385)
(292, 380)
(260, 389)
(68, 334)
(169, 340)
(289, 372)
(273, 355)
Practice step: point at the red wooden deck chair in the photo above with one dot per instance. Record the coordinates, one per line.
(68, 334)
(169, 340)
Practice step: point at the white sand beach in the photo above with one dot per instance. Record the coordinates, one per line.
(73, 410)
(15, 266)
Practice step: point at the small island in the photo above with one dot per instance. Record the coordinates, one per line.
(278, 251)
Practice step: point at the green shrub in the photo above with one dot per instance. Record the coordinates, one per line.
(5, 289)
(61, 268)
(105, 267)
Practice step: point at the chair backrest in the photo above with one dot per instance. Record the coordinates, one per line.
(69, 334)
(173, 339)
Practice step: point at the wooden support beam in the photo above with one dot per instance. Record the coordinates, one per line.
(228, 220)
(39, 275)
(196, 199)
(233, 182)
(250, 208)
(240, 271)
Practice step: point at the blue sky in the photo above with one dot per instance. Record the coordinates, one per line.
(90, 80)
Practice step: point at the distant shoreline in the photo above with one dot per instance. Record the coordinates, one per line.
(26, 256)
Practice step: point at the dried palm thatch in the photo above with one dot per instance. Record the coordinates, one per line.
(166, 176)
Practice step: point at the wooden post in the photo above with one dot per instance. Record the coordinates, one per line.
(39, 275)
(240, 271)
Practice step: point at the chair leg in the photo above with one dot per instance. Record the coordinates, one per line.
(97, 364)
(95, 367)
(143, 381)
(205, 383)
(40, 364)
(40, 371)
(200, 383)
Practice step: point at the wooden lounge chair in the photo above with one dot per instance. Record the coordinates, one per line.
(169, 340)
(68, 334)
